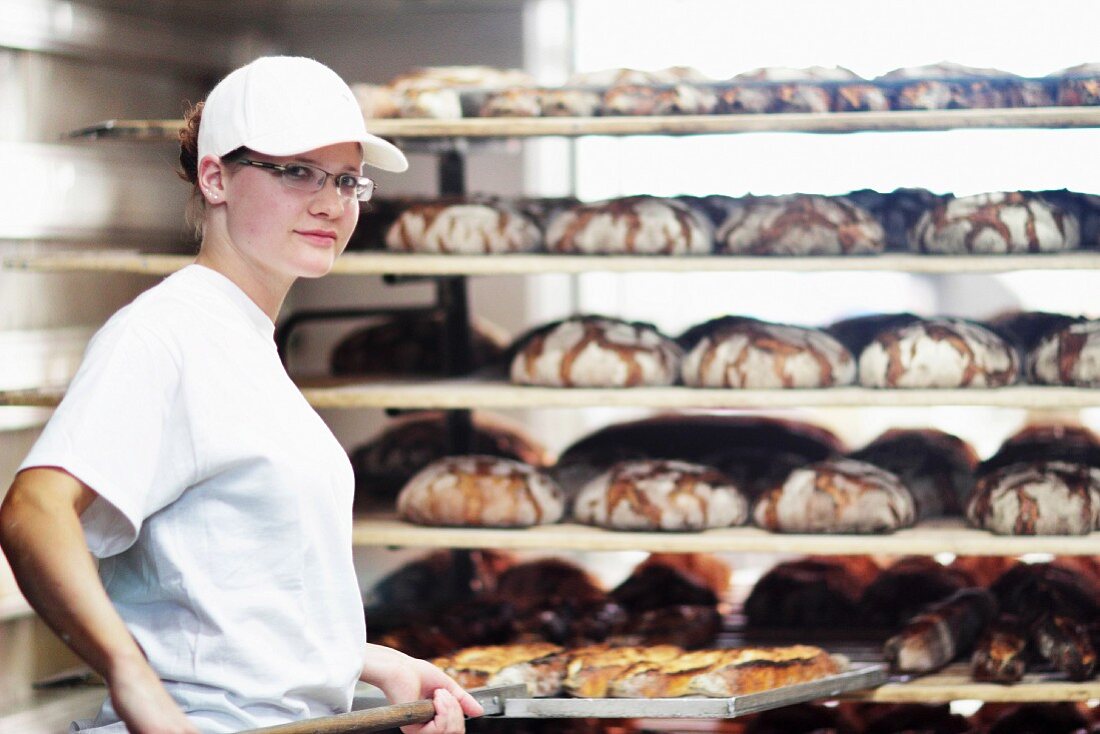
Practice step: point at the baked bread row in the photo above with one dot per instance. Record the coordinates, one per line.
(894, 351)
(451, 92)
(661, 671)
(795, 224)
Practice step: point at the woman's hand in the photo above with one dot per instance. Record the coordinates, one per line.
(403, 679)
(141, 701)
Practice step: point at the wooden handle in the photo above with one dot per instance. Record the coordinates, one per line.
(359, 722)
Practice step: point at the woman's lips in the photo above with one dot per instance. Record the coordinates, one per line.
(319, 237)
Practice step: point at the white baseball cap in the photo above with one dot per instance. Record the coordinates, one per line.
(284, 105)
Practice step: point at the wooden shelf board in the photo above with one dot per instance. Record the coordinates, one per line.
(459, 394)
(941, 536)
(394, 263)
(826, 122)
(954, 684)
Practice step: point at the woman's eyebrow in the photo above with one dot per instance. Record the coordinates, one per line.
(349, 168)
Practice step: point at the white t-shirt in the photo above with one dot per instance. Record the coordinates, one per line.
(223, 522)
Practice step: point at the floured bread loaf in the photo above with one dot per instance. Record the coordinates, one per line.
(429, 102)
(938, 353)
(466, 228)
(1056, 441)
(482, 77)
(837, 496)
(480, 491)
(1079, 85)
(818, 592)
(680, 99)
(660, 495)
(540, 666)
(745, 353)
(515, 102)
(800, 225)
(1040, 498)
(1068, 357)
(568, 103)
(376, 100)
(796, 94)
(947, 85)
(635, 225)
(592, 351)
(996, 223)
(937, 467)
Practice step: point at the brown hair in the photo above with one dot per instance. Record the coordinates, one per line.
(189, 166)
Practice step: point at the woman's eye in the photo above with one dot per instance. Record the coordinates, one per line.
(298, 173)
(347, 181)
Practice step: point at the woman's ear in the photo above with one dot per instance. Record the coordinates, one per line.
(212, 179)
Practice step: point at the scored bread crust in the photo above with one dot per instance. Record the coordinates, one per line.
(539, 665)
(591, 670)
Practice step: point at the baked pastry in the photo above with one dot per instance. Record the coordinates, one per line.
(680, 99)
(749, 670)
(837, 496)
(540, 666)
(1041, 498)
(746, 353)
(410, 344)
(906, 587)
(593, 351)
(996, 223)
(818, 592)
(755, 452)
(938, 353)
(937, 467)
(800, 224)
(409, 443)
(1078, 85)
(660, 495)
(1065, 442)
(480, 491)
(465, 228)
(635, 225)
(1070, 356)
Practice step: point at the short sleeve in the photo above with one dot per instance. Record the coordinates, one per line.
(121, 429)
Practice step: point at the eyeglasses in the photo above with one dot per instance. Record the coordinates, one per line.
(310, 178)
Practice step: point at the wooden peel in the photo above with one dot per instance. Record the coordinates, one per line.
(392, 716)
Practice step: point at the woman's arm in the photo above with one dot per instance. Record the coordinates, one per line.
(403, 678)
(41, 537)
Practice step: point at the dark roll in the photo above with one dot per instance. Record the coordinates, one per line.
(906, 587)
(1073, 444)
(896, 211)
(1064, 587)
(754, 452)
(858, 331)
(814, 593)
(408, 444)
(684, 625)
(937, 467)
(666, 579)
(1025, 329)
(411, 343)
(547, 583)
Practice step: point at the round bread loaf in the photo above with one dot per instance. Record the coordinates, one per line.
(680, 99)
(745, 353)
(480, 491)
(837, 496)
(466, 228)
(430, 102)
(800, 225)
(938, 353)
(1078, 85)
(660, 495)
(376, 100)
(385, 464)
(568, 103)
(790, 93)
(948, 85)
(635, 225)
(937, 467)
(410, 343)
(515, 102)
(1025, 329)
(593, 351)
(480, 77)
(1040, 498)
(815, 592)
(1065, 442)
(905, 588)
(1068, 357)
(995, 224)
(755, 452)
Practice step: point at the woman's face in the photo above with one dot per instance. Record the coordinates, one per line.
(286, 231)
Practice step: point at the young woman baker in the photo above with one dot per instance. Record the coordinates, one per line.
(216, 500)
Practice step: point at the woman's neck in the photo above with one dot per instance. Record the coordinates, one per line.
(266, 289)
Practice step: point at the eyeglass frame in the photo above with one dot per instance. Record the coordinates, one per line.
(282, 168)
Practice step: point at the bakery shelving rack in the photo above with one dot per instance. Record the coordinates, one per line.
(453, 139)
